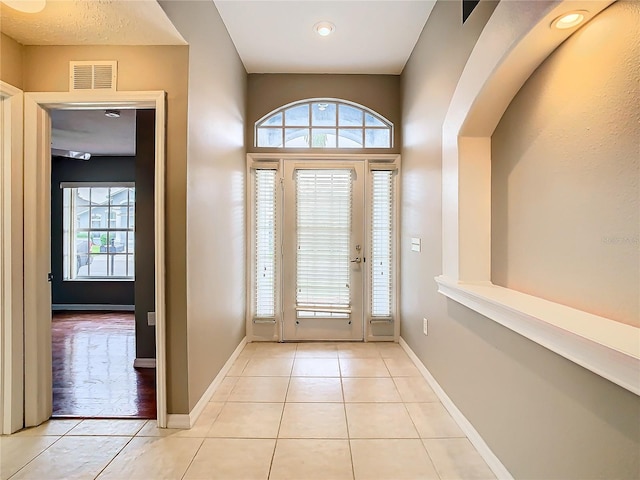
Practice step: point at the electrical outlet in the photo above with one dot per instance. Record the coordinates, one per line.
(425, 326)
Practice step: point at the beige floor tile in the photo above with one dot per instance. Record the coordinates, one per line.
(248, 420)
(204, 422)
(232, 459)
(358, 350)
(456, 458)
(370, 390)
(107, 427)
(379, 420)
(50, 427)
(259, 389)
(395, 459)
(415, 389)
(317, 350)
(268, 367)
(73, 458)
(391, 350)
(433, 421)
(363, 367)
(310, 389)
(238, 366)
(151, 429)
(224, 389)
(313, 420)
(271, 349)
(17, 451)
(316, 367)
(155, 458)
(401, 367)
(311, 460)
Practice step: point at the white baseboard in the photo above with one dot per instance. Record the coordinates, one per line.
(90, 307)
(494, 463)
(144, 363)
(186, 421)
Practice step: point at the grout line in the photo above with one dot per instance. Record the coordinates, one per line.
(114, 457)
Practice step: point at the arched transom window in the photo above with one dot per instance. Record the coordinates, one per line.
(323, 123)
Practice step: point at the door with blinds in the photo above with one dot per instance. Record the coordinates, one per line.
(323, 252)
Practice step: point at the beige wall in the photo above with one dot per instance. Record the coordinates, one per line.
(566, 172)
(267, 92)
(11, 61)
(46, 69)
(543, 416)
(215, 192)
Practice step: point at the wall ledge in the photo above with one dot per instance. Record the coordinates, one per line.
(601, 345)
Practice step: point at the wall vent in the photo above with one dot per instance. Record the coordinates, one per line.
(93, 76)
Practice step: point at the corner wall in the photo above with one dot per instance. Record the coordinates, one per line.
(215, 192)
(542, 415)
(11, 68)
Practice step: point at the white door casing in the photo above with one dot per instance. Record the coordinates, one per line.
(37, 229)
(273, 329)
(11, 260)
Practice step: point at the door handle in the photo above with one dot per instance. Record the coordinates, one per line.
(356, 260)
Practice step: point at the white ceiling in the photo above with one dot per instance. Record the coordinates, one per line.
(371, 36)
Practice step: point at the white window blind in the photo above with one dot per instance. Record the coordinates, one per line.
(265, 243)
(323, 211)
(381, 243)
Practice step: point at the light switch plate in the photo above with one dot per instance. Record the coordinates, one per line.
(151, 318)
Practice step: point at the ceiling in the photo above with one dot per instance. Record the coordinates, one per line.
(92, 22)
(90, 131)
(370, 37)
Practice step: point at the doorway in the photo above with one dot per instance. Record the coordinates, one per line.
(323, 252)
(37, 209)
(102, 254)
(322, 247)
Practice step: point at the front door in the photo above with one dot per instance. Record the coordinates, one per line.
(323, 251)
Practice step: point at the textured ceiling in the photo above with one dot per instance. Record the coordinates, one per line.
(91, 22)
(370, 37)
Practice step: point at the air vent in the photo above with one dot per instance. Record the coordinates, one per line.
(92, 76)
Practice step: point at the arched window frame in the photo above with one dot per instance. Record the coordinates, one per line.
(317, 134)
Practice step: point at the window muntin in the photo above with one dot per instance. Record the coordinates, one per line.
(323, 124)
(99, 231)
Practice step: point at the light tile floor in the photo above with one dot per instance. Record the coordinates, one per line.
(325, 411)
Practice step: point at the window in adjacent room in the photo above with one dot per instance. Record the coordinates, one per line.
(99, 231)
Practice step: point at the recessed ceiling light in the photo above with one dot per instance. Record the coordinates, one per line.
(324, 28)
(26, 6)
(112, 113)
(569, 20)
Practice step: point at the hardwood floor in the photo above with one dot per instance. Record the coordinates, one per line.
(93, 374)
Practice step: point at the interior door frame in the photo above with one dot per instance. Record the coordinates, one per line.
(37, 238)
(271, 331)
(11, 260)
